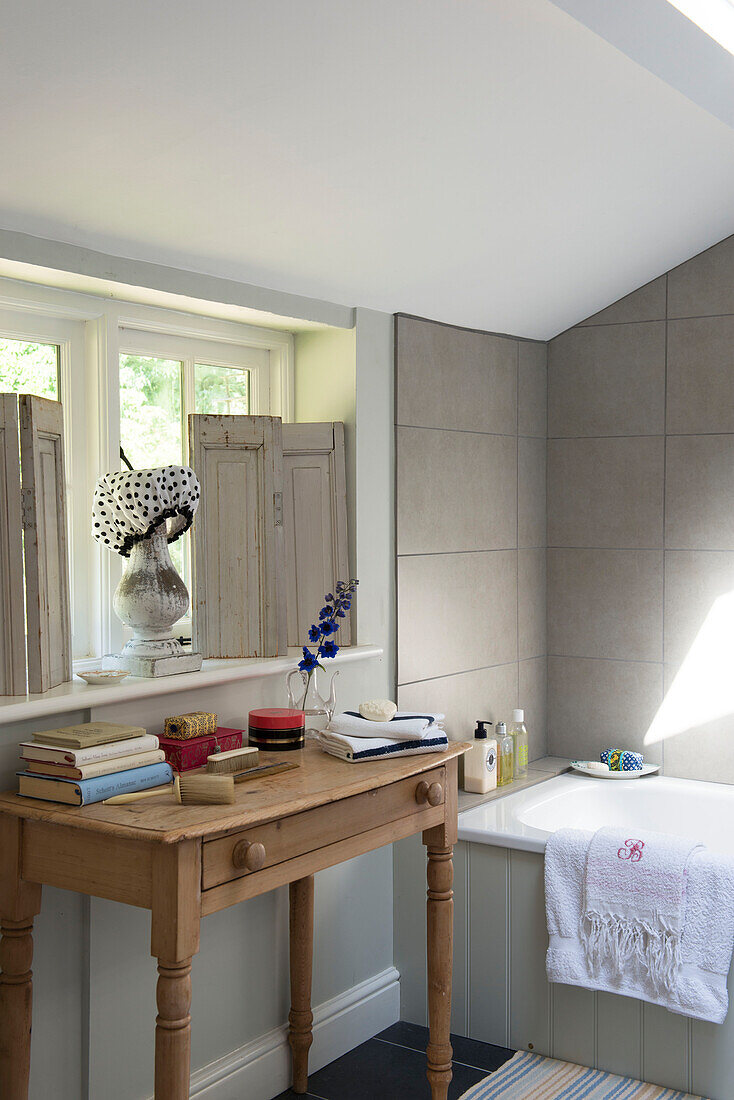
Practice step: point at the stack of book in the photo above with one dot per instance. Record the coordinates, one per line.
(91, 762)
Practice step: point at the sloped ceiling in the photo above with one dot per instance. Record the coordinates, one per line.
(490, 163)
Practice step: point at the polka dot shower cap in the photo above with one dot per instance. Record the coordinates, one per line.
(129, 506)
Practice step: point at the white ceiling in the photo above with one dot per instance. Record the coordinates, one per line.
(491, 163)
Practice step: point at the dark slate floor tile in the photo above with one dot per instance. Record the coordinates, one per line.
(289, 1094)
(468, 1051)
(386, 1070)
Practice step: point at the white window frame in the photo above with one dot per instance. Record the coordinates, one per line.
(91, 331)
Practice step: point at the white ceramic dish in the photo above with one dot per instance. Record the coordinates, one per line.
(103, 677)
(646, 769)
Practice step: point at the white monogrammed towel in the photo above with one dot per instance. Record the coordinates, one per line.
(707, 939)
(634, 889)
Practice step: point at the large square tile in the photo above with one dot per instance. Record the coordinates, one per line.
(487, 695)
(379, 1069)
(470, 1052)
(455, 491)
(600, 704)
(701, 747)
(699, 493)
(456, 612)
(694, 580)
(606, 603)
(532, 389)
(608, 380)
(645, 304)
(450, 377)
(605, 492)
(531, 492)
(701, 375)
(705, 284)
(534, 701)
(531, 603)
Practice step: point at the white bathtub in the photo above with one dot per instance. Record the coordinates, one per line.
(501, 993)
(525, 820)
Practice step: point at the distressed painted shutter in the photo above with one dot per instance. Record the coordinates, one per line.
(315, 522)
(44, 534)
(238, 576)
(12, 624)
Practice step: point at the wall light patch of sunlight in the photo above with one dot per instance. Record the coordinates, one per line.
(714, 17)
(703, 689)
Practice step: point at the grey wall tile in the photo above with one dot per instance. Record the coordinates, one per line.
(606, 603)
(699, 490)
(605, 492)
(702, 748)
(531, 603)
(701, 375)
(645, 304)
(456, 491)
(451, 378)
(489, 694)
(531, 492)
(456, 612)
(607, 381)
(533, 700)
(532, 389)
(694, 580)
(705, 284)
(595, 705)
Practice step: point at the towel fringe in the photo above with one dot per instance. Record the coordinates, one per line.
(656, 949)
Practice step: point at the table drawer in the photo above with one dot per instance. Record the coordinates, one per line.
(249, 850)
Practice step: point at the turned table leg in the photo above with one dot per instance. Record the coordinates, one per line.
(173, 1030)
(174, 941)
(300, 1018)
(440, 917)
(19, 903)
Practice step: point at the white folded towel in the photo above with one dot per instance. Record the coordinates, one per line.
(406, 725)
(698, 985)
(376, 748)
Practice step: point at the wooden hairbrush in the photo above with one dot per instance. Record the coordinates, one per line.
(203, 789)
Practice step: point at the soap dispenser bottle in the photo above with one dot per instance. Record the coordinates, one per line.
(505, 755)
(520, 738)
(480, 763)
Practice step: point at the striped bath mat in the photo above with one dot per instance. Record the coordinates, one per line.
(530, 1077)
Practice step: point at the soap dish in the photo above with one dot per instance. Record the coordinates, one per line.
(582, 766)
(103, 677)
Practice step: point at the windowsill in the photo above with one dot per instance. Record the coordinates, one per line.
(76, 695)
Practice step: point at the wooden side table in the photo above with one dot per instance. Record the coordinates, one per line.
(183, 862)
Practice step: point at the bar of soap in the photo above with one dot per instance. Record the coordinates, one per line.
(596, 766)
(378, 710)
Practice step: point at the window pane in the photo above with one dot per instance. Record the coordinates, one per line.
(150, 423)
(29, 368)
(221, 390)
(150, 411)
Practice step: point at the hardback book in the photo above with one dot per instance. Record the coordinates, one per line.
(82, 792)
(99, 767)
(54, 754)
(193, 753)
(88, 733)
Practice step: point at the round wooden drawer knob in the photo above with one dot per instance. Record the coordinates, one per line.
(432, 794)
(248, 856)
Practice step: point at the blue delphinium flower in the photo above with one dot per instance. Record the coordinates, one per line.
(335, 608)
(309, 662)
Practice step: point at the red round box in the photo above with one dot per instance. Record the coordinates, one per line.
(277, 729)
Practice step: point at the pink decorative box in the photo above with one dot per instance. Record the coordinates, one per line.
(183, 756)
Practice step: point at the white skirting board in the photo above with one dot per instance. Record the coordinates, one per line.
(262, 1069)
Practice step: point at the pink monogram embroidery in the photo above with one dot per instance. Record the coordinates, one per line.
(632, 850)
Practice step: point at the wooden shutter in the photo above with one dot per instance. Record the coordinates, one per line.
(238, 578)
(315, 522)
(12, 624)
(44, 534)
